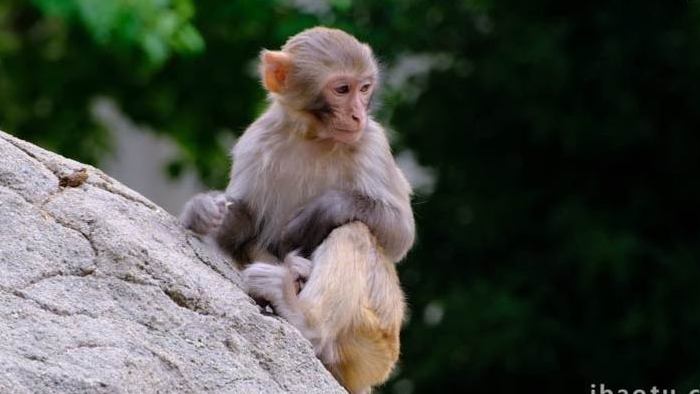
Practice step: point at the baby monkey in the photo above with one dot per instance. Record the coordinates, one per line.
(314, 183)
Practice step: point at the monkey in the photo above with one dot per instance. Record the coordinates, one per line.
(314, 157)
(316, 210)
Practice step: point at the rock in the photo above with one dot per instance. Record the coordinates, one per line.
(103, 291)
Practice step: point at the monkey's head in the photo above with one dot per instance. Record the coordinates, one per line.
(326, 75)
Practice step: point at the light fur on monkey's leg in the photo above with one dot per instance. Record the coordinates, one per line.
(350, 309)
(354, 297)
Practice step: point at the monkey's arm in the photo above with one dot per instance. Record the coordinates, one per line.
(393, 226)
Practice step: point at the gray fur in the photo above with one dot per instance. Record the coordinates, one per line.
(204, 212)
(334, 208)
(298, 178)
(237, 230)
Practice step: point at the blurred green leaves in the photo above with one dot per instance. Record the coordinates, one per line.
(158, 28)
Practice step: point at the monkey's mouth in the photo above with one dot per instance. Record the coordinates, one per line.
(347, 136)
(348, 131)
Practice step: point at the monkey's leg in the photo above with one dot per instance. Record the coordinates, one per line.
(354, 295)
(332, 294)
(342, 307)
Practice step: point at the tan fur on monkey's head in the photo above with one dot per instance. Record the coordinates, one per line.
(315, 52)
(326, 73)
(320, 51)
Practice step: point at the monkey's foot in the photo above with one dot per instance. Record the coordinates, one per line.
(266, 281)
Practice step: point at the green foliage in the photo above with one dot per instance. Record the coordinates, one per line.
(560, 245)
(157, 27)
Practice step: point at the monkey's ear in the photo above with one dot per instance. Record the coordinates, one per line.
(275, 68)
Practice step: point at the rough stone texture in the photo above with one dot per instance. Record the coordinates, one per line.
(103, 291)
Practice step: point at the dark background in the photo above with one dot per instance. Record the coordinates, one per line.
(560, 245)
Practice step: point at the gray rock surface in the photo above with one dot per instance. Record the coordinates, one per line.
(102, 291)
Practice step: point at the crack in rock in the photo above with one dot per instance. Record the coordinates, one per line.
(49, 308)
(183, 301)
(208, 262)
(55, 274)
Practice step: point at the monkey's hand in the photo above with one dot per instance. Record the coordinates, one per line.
(204, 212)
(312, 223)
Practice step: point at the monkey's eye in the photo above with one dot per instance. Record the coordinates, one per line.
(342, 89)
(365, 88)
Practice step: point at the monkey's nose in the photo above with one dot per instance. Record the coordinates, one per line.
(356, 118)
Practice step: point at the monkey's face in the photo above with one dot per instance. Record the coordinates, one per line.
(346, 101)
(326, 74)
